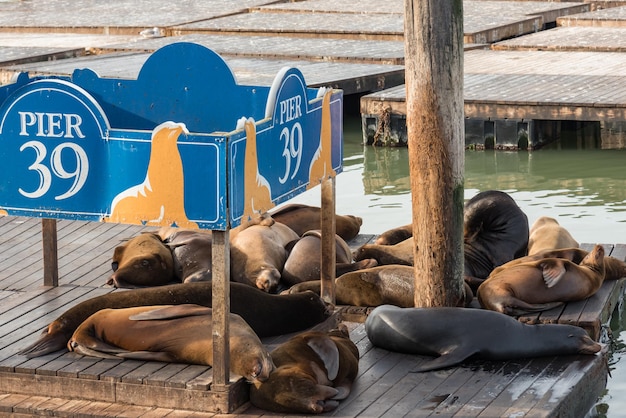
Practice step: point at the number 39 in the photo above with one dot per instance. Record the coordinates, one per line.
(292, 150)
(45, 175)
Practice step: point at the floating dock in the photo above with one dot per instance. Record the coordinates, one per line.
(68, 384)
(519, 92)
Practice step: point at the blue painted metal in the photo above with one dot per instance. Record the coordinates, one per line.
(76, 147)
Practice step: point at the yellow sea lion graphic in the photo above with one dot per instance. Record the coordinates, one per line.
(159, 200)
(322, 164)
(257, 190)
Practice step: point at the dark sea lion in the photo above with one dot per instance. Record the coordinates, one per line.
(304, 260)
(302, 218)
(400, 253)
(191, 252)
(443, 332)
(267, 314)
(170, 333)
(380, 285)
(395, 235)
(543, 284)
(547, 234)
(314, 370)
(142, 261)
(495, 232)
(258, 254)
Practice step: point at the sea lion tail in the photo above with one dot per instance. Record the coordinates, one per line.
(47, 343)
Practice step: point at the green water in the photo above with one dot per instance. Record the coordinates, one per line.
(585, 190)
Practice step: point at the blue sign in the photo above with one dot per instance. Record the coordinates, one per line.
(183, 145)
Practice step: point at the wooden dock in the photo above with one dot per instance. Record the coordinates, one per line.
(67, 384)
(519, 91)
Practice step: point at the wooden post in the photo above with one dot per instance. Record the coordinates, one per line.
(50, 254)
(329, 255)
(433, 32)
(220, 304)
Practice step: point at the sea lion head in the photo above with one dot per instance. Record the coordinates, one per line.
(595, 259)
(267, 278)
(142, 261)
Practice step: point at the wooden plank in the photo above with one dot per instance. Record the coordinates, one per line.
(50, 258)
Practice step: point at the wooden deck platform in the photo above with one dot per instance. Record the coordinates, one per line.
(66, 384)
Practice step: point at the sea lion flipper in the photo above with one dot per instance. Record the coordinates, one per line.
(147, 356)
(552, 270)
(85, 351)
(448, 359)
(327, 351)
(45, 344)
(171, 312)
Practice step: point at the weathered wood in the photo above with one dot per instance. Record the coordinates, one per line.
(220, 249)
(328, 255)
(50, 260)
(434, 80)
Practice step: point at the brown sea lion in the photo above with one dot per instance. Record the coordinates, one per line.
(191, 251)
(314, 370)
(258, 254)
(302, 218)
(547, 234)
(380, 285)
(170, 333)
(543, 284)
(267, 314)
(614, 268)
(142, 261)
(395, 235)
(444, 332)
(400, 253)
(304, 260)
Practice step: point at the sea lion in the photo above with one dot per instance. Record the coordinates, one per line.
(302, 218)
(267, 314)
(547, 234)
(395, 235)
(191, 251)
(400, 253)
(543, 284)
(170, 333)
(304, 260)
(314, 370)
(258, 255)
(142, 261)
(495, 232)
(443, 332)
(614, 268)
(375, 286)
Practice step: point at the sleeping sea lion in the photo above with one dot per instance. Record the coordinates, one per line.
(543, 284)
(304, 261)
(389, 284)
(142, 261)
(400, 253)
(395, 235)
(302, 218)
(547, 234)
(314, 370)
(267, 314)
(170, 333)
(258, 254)
(443, 332)
(614, 268)
(191, 251)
